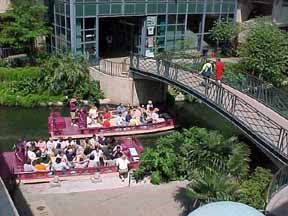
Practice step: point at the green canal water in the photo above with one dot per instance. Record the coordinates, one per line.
(32, 124)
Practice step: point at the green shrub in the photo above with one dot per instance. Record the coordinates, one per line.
(156, 178)
(18, 74)
(254, 189)
(265, 52)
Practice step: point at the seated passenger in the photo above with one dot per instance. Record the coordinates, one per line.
(128, 117)
(92, 162)
(28, 167)
(45, 158)
(122, 164)
(155, 116)
(41, 145)
(93, 112)
(81, 163)
(50, 145)
(31, 155)
(120, 108)
(94, 140)
(38, 166)
(106, 123)
(149, 106)
(98, 155)
(120, 120)
(118, 153)
(58, 165)
(107, 114)
(70, 154)
(102, 140)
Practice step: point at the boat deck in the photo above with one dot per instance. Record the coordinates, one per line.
(9, 164)
(13, 167)
(66, 129)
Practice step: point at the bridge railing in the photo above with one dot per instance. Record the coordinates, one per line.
(271, 135)
(261, 90)
(111, 68)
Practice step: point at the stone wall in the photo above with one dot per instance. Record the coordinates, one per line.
(128, 90)
(4, 4)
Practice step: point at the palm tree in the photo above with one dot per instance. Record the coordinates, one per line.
(210, 186)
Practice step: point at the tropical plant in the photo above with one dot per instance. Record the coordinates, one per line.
(254, 189)
(211, 186)
(192, 151)
(22, 24)
(63, 72)
(265, 52)
(223, 32)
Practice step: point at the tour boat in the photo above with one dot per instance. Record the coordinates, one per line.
(62, 127)
(12, 164)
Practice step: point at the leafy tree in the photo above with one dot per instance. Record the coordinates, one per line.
(254, 190)
(24, 22)
(223, 32)
(64, 73)
(185, 154)
(211, 186)
(266, 52)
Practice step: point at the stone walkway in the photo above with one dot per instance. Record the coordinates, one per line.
(71, 199)
(278, 205)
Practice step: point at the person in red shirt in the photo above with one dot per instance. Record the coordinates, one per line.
(106, 124)
(219, 68)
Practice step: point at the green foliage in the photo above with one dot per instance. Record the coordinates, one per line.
(89, 90)
(266, 52)
(254, 190)
(60, 74)
(160, 161)
(24, 23)
(156, 178)
(185, 154)
(223, 32)
(63, 71)
(211, 186)
(18, 74)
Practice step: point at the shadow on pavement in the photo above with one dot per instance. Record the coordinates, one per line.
(187, 204)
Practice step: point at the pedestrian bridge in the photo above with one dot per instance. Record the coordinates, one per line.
(252, 106)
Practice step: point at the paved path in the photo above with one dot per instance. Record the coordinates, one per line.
(140, 200)
(255, 116)
(278, 205)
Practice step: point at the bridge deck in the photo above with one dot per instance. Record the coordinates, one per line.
(254, 117)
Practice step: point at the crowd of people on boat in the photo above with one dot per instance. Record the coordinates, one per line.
(122, 116)
(60, 154)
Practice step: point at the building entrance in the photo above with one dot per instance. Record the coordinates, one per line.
(119, 36)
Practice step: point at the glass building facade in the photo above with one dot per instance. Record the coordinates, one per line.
(95, 27)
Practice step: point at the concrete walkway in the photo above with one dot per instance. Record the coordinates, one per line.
(278, 205)
(71, 199)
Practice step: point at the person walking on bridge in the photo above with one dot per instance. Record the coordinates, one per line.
(206, 72)
(219, 68)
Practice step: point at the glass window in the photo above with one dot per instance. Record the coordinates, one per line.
(90, 9)
(181, 19)
(116, 9)
(191, 8)
(152, 8)
(161, 8)
(182, 8)
(68, 22)
(140, 9)
(79, 10)
(194, 23)
(171, 19)
(104, 8)
(129, 8)
(90, 35)
(172, 8)
(90, 23)
(161, 20)
(210, 20)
